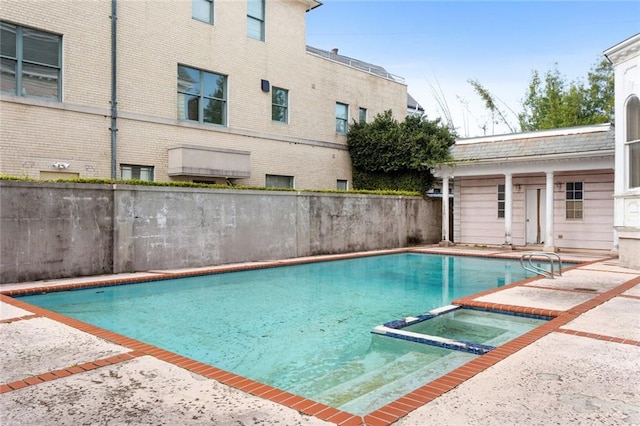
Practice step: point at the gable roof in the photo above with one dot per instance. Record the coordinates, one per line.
(575, 140)
(412, 104)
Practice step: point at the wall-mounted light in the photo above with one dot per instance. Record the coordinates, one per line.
(60, 165)
(558, 186)
(518, 187)
(264, 84)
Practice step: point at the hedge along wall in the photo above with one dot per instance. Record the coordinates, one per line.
(58, 230)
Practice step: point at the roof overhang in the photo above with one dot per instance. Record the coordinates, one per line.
(311, 4)
(557, 163)
(624, 50)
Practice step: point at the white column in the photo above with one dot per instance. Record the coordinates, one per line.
(508, 209)
(445, 211)
(549, 244)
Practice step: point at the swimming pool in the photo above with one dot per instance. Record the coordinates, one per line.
(302, 328)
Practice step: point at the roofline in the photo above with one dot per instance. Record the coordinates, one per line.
(545, 157)
(620, 47)
(371, 70)
(538, 134)
(312, 4)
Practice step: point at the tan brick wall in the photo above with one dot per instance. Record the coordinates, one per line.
(85, 27)
(34, 137)
(153, 38)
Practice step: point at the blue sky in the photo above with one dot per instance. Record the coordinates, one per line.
(440, 45)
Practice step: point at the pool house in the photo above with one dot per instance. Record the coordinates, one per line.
(549, 189)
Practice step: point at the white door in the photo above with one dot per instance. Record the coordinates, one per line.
(535, 223)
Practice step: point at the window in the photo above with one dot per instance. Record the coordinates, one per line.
(634, 165)
(30, 62)
(574, 196)
(130, 171)
(202, 96)
(342, 185)
(255, 19)
(278, 181)
(342, 118)
(362, 115)
(500, 201)
(633, 141)
(279, 105)
(202, 10)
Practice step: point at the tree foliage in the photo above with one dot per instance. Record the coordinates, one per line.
(552, 102)
(490, 103)
(386, 151)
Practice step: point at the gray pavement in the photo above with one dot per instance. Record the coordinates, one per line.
(586, 372)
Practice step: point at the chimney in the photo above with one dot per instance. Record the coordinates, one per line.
(334, 50)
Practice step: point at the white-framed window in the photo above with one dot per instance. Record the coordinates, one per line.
(202, 10)
(202, 96)
(342, 185)
(278, 181)
(633, 142)
(280, 105)
(574, 198)
(133, 171)
(342, 118)
(362, 115)
(31, 62)
(255, 19)
(501, 203)
(634, 164)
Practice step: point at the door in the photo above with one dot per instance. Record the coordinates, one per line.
(535, 215)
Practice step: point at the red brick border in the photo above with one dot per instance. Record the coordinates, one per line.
(383, 416)
(67, 371)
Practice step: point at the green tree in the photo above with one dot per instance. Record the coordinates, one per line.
(555, 103)
(387, 154)
(490, 103)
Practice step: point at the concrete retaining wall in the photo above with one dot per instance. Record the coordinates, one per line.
(56, 230)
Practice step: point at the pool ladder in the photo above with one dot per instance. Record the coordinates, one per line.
(526, 261)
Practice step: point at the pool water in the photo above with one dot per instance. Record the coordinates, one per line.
(476, 326)
(302, 328)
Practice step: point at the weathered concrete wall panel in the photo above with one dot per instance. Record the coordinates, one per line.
(159, 228)
(55, 230)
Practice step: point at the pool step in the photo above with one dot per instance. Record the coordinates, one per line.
(394, 378)
(373, 360)
(373, 379)
(365, 403)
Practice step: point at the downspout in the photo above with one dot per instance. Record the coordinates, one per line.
(114, 98)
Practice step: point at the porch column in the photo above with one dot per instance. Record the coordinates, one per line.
(445, 212)
(549, 244)
(508, 210)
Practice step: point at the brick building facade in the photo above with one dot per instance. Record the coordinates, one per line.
(205, 90)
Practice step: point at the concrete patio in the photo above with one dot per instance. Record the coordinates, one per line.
(583, 370)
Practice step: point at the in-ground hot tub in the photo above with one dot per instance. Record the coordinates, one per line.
(465, 329)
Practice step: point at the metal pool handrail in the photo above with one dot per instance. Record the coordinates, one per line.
(538, 269)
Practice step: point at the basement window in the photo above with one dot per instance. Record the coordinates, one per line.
(131, 171)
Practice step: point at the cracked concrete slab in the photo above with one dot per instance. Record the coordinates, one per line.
(7, 312)
(585, 280)
(608, 266)
(535, 387)
(39, 345)
(633, 291)
(142, 391)
(623, 309)
(541, 298)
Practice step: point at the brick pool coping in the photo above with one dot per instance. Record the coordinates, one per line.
(381, 417)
